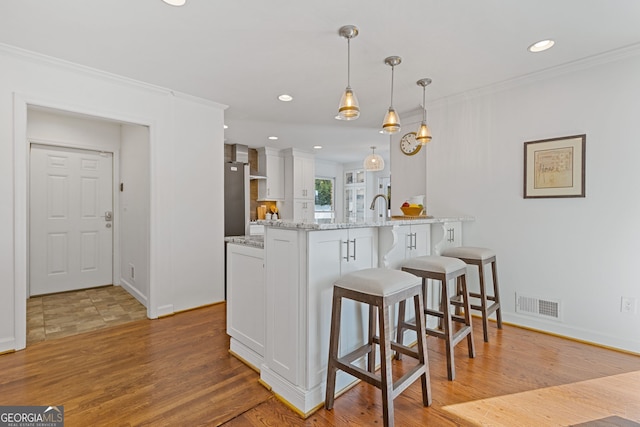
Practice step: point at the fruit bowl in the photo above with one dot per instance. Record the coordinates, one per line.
(411, 210)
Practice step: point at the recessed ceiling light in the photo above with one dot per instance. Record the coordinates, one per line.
(317, 147)
(286, 98)
(541, 45)
(225, 127)
(175, 2)
(273, 138)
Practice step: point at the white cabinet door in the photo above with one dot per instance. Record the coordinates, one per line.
(303, 210)
(354, 203)
(271, 165)
(403, 242)
(331, 254)
(303, 177)
(419, 243)
(449, 236)
(246, 296)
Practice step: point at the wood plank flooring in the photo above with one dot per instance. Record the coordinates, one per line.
(177, 371)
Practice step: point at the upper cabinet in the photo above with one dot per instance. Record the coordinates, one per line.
(271, 165)
(299, 185)
(355, 192)
(300, 174)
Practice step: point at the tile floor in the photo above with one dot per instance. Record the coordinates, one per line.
(69, 313)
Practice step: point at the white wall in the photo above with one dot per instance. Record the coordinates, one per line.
(580, 251)
(186, 142)
(134, 211)
(46, 126)
(408, 173)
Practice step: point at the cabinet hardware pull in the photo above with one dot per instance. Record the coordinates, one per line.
(346, 257)
(415, 239)
(451, 236)
(354, 249)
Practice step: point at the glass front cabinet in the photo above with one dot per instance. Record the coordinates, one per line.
(354, 195)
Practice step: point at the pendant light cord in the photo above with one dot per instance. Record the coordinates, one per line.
(424, 104)
(392, 69)
(349, 62)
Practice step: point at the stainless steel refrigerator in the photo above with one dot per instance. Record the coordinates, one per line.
(236, 198)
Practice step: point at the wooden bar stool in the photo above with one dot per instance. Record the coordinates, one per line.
(443, 269)
(488, 303)
(381, 289)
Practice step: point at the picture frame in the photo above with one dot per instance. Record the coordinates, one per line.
(555, 167)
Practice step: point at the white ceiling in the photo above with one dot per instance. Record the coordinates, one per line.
(244, 53)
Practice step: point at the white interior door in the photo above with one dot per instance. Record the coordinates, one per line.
(71, 218)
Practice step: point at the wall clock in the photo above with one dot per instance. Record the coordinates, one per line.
(409, 145)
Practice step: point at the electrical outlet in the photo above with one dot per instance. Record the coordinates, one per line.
(629, 305)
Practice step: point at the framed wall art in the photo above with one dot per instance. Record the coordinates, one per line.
(555, 167)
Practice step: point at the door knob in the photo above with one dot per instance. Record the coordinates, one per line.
(108, 216)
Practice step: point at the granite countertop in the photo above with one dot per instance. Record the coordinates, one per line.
(256, 240)
(288, 224)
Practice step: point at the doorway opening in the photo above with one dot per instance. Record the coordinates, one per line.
(88, 192)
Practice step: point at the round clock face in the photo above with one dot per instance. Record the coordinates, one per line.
(409, 145)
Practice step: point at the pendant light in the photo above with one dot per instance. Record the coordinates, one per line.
(348, 108)
(424, 133)
(391, 122)
(374, 162)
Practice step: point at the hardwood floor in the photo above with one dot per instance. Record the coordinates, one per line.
(177, 371)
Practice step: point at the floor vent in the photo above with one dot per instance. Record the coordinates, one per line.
(538, 307)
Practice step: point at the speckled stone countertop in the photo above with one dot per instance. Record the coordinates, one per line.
(338, 225)
(257, 240)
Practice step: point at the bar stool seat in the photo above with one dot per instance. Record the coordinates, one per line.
(381, 289)
(443, 269)
(489, 304)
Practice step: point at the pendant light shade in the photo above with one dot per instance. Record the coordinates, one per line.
(423, 135)
(348, 108)
(373, 162)
(391, 123)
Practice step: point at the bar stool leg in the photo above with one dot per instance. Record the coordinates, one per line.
(385, 368)
(496, 294)
(447, 328)
(467, 315)
(333, 349)
(371, 357)
(423, 357)
(401, 327)
(483, 302)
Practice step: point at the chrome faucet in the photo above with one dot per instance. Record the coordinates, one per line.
(386, 199)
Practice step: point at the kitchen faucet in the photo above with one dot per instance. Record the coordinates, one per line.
(386, 199)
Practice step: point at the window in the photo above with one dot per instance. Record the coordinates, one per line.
(325, 200)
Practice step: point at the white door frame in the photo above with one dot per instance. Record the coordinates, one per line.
(21, 198)
(115, 264)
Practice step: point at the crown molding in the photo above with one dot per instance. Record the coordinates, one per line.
(104, 75)
(545, 74)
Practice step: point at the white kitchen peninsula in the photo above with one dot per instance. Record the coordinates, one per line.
(302, 261)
